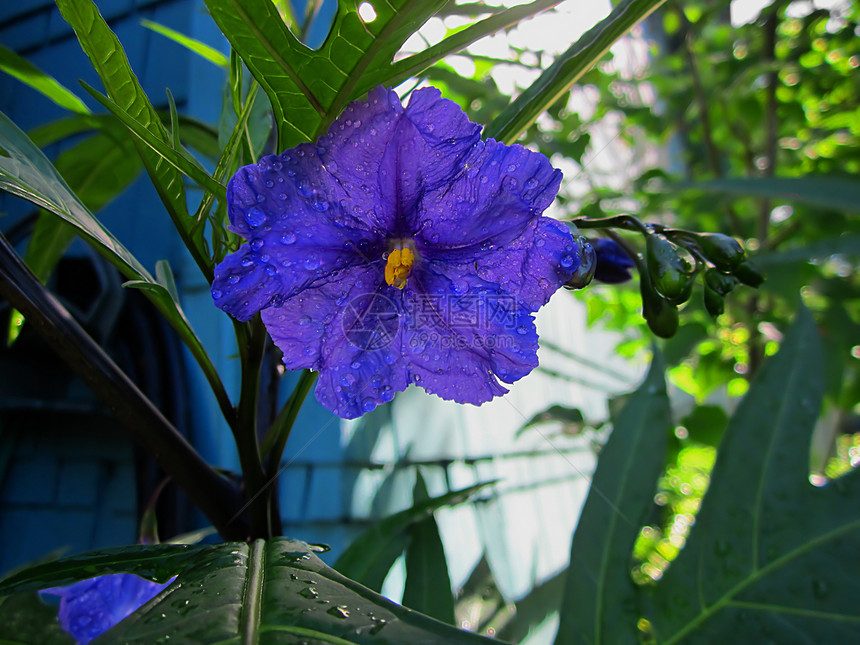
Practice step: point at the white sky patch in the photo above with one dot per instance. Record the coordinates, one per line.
(744, 12)
(366, 12)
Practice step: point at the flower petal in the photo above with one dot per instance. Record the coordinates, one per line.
(499, 189)
(464, 334)
(91, 607)
(350, 331)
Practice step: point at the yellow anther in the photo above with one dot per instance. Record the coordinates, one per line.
(398, 267)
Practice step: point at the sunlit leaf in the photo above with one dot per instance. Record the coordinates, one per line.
(770, 556)
(192, 44)
(558, 78)
(370, 556)
(31, 75)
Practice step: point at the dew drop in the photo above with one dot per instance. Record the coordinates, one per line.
(257, 244)
(305, 189)
(233, 278)
(216, 294)
(255, 217)
(270, 270)
(312, 262)
(320, 205)
(566, 260)
(368, 404)
(304, 321)
(288, 238)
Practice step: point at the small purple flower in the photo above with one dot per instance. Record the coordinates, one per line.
(613, 263)
(91, 607)
(401, 248)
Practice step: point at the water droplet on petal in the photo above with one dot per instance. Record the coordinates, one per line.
(233, 278)
(288, 238)
(257, 244)
(522, 329)
(255, 217)
(320, 205)
(566, 260)
(216, 294)
(368, 404)
(312, 262)
(304, 321)
(305, 189)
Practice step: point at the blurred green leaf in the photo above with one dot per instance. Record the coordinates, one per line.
(413, 65)
(553, 83)
(571, 418)
(201, 49)
(428, 585)
(31, 75)
(599, 602)
(840, 193)
(234, 592)
(370, 556)
(26, 620)
(770, 556)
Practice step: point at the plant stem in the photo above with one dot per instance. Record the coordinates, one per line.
(251, 337)
(148, 427)
(279, 432)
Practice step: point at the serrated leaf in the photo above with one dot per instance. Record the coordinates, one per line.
(308, 88)
(110, 62)
(599, 602)
(241, 593)
(47, 85)
(370, 556)
(428, 584)
(557, 79)
(771, 557)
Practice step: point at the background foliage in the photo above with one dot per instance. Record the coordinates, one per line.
(758, 131)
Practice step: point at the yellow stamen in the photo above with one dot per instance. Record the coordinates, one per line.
(399, 266)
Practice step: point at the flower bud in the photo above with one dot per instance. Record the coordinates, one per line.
(721, 283)
(671, 272)
(584, 273)
(660, 314)
(714, 302)
(722, 250)
(613, 263)
(748, 274)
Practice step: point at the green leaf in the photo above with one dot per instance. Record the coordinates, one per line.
(192, 44)
(413, 65)
(241, 593)
(26, 172)
(307, 88)
(599, 602)
(179, 159)
(838, 193)
(571, 418)
(31, 75)
(110, 62)
(771, 557)
(428, 585)
(26, 620)
(553, 83)
(369, 558)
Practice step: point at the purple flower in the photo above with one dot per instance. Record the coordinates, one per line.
(613, 263)
(91, 607)
(401, 248)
